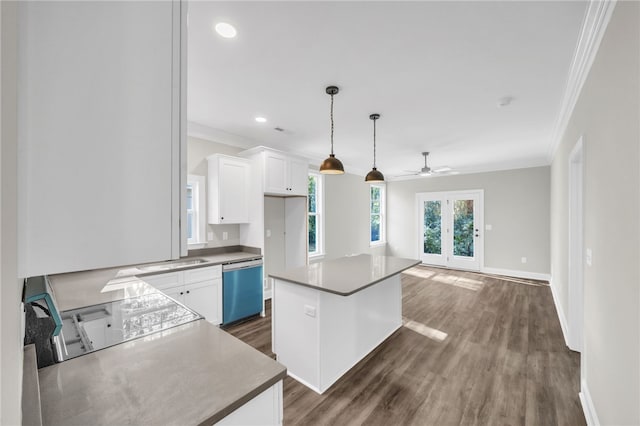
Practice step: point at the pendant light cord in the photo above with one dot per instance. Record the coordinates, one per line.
(331, 124)
(374, 144)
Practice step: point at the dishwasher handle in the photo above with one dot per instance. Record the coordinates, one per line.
(241, 265)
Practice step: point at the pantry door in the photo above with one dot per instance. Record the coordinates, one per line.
(450, 229)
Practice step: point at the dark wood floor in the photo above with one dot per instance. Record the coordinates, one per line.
(475, 349)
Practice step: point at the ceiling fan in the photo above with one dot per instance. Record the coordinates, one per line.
(428, 171)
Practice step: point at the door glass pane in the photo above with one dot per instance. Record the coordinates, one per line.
(432, 231)
(312, 234)
(463, 228)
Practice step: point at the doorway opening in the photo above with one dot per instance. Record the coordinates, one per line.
(450, 225)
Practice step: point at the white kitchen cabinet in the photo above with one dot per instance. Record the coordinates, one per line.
(99, 99)
(228, 189)
(264, 409)
(284, 174)
(199, 289)
(206, 299)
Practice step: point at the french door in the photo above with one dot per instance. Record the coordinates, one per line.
(450, 228)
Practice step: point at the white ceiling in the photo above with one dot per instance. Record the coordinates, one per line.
(435, 71)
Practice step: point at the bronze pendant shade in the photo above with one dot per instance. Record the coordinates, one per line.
(331, 165)
(374, 176)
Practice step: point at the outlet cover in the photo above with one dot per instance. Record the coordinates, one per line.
(589, 257)
(225, 236)
(209, 236)
(523, 259)
(488, 227)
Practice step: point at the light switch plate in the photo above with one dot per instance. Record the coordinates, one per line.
(523, 260)
(488, 227)
(268, 233)
(209, 236)
(225, 235)
(589, 257)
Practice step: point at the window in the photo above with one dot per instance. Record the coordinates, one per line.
(377, 211)
(195, 210)
(315, 214)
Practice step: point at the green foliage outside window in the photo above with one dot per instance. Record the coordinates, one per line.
(463, 228)
(432, 227)
(312, 186)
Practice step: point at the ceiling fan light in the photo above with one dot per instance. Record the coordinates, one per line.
(374, 176)
(331, 166)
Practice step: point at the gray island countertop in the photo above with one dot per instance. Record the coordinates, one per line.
(191, 374)
(347, 275)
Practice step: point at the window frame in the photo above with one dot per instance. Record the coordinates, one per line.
(197, 184)
(382, 214)
(319, 214)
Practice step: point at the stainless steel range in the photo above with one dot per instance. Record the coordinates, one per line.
(97, 327)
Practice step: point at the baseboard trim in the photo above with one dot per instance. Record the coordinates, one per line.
(266, 294)
(564, 325)
(587, 405)
(516, 274)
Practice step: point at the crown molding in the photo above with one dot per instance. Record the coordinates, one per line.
(210, 134)
(594, 26)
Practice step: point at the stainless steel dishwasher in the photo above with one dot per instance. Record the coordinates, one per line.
(241, 290)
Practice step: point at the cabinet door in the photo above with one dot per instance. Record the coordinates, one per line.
(234, 191)
(97, 91)
(298, 177)
(275, 173)
(228, 189)
(206, 299)
(176, 293)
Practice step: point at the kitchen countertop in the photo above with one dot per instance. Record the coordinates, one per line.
(188, 375)
(346, 275)
(79, 289)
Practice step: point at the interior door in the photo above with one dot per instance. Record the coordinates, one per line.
(450, 224)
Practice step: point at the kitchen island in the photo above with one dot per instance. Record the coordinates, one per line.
(329, 315)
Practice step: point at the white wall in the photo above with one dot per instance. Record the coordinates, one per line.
(607, 117)
(10, 285)
(516, 204)
(197, 152)
(346, 211)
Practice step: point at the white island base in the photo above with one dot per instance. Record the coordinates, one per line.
(319, 335)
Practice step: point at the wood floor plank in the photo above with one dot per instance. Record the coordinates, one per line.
(476, 349)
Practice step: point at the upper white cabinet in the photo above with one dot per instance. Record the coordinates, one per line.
(99, 101)
(283, 174)
(229, 179)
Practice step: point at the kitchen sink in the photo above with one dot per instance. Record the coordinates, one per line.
(172, 264)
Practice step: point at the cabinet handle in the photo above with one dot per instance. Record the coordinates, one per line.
(181, 293)
(187, 291)
(222, 218)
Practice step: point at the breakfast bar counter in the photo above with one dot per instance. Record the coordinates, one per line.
(329, 315)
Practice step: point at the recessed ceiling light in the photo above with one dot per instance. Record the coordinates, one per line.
(225, 30)
(261, 119)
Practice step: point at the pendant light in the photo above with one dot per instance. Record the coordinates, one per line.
(374, 175)
(331, 165)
